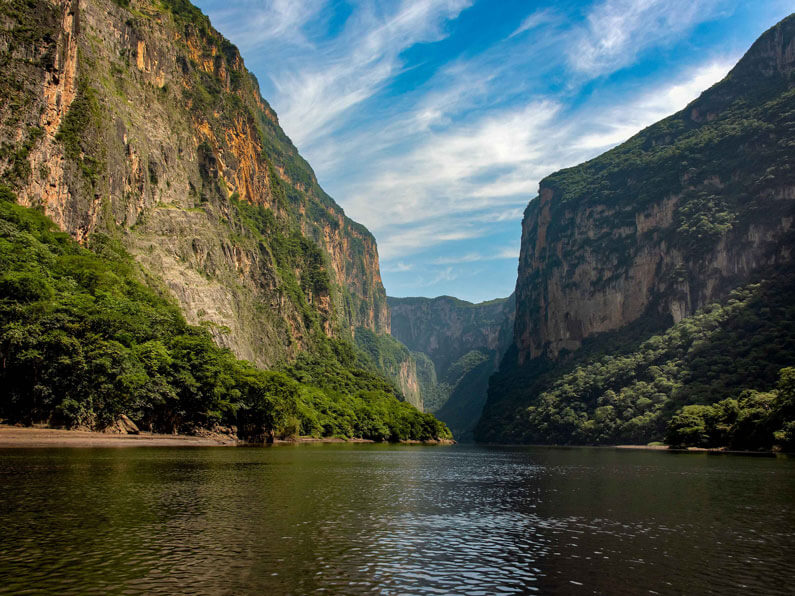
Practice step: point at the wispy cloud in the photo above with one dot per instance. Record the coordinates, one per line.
(354, 66)
(616, 31)
(434, 132)
(399, 267)
(404, 241)
(476, 257)
(267, 21)
(447, 171)
(535, 20)
(446, 274)
(459, 182)
(611, 126)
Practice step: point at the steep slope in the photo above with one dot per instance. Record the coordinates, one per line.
(395, 361)
(643, 237)
(457, 345)
(139, 119)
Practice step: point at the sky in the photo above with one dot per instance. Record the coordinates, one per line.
(432, 122)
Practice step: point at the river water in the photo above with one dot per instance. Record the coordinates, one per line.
(348, 519)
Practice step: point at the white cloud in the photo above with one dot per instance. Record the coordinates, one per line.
(457, 183)
(457, 156)
(254, 23)
(534, 20)
(403, 241)
(616, 31)
(353, 67)
(399, 267)
(474, 257)
(448, 171)
(616, 125)
(447, 274)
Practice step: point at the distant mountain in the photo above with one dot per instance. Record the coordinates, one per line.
(457, 346)
(659, 274)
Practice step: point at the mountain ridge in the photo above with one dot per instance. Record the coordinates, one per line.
(646, 236)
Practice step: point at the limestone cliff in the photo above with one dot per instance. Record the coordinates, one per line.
(643, 236)
(457, 345)
(138, 119)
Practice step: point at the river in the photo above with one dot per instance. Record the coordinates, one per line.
(392, 519)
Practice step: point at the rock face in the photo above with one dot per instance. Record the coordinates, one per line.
(139, 120)
(672, 220)
(456, 345)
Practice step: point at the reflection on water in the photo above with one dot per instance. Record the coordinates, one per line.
(394, 519)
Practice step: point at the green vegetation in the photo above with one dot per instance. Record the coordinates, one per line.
(299, 262)
(17, 156)
(82, 342)
(465, 386)
(226, 102)
(433, 396)
(385, 351)
(727, 351)
(84, 115)
(357, 401)
(753, 421)
(394, 360)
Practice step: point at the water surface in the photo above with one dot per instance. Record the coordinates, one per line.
(394, 519)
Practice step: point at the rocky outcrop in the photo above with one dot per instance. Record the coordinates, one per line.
(645, 235)
(141, 122)
(409, 384)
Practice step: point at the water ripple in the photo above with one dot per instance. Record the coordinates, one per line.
(392, 520)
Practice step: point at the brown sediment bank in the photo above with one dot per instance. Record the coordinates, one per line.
(14, 436)
(652, 447)
(725, 450)
(27, 437)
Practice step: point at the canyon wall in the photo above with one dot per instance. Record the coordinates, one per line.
(457, 345)
(644, 236)
(140, 121)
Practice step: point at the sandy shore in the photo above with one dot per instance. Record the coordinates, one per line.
(13, 436)
(650, 447)
(27, 437)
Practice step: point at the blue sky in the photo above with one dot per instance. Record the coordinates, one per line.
(432, 121)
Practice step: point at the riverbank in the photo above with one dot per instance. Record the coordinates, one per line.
(725, 450)
(32, 437)
(15, 436)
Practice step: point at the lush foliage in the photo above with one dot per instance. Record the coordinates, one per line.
(465, 386)
(356, 400)
(298, 261)
(728, 351)
(83, 341)
(753, 420)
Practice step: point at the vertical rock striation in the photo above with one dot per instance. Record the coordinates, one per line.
(140, 120)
